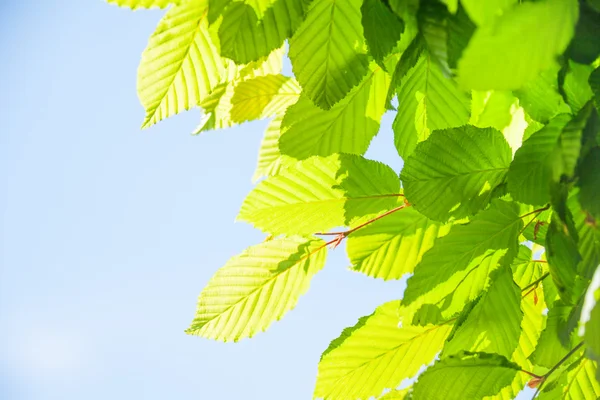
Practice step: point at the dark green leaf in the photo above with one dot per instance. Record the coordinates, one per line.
(465, 376)
(382, 28)
(463, 165)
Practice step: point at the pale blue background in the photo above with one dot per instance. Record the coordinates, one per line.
(109, 234)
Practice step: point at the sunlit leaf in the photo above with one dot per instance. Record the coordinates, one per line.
(257, 288)
(377, 353)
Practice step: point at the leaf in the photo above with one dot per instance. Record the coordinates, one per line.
(525, 270)
(537, 164)
(454, 172)
(327, 52)
(465, 376)
(320, 193)
(531, 327)
(408, 59)
(485, 13)
(460, 31)
(251, 29)
(180, 66)
(584, 47)
(576, 86)
(469, 251)
(580, 382)
(257, 288)
(589, 326)
(135, 4)
(575, 383)
(540, 97)
(394, 245)
(550, 348)
(218, 105)
(348, 127)
(563, 259)
(396, 395)
(492, 109)
(494, 323)
(427, 101)
(382, 28)
(263, 97)
(270, 161)
(594, 81)
(498, 58)
(588, 235)
(589, 183)
(379, 352)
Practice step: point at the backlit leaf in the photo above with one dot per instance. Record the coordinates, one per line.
(394, 245)
(257, 288)
(427, 101)
(328, 53)
(463, 165)
(377, 353)
(498, 58)
(181, 65)
(465, 376)
(321, 193)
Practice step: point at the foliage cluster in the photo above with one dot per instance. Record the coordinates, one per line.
(495, 214)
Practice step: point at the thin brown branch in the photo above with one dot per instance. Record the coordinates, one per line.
(535, 283)
(349, 231)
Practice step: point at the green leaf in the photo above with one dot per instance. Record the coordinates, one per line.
(585, 47)
(594, 81)
(465, 376)
(432, 19)
(537, 164)
(218, 105)
(454, 172)
(257, 288)
(494, 323)
(563, 259)
(377, 353)
(540, 97)
(327, 52)
(589, 183)
(580, 382)
(427, 101)
(497, 57)
(492, 109)
(408, 59)
(270, 161)
(588, 234)
(263, 97)
(321, 193)
(531, 327)
(135, 4)
(575, 383)
(396, 395)
(382, 28)
(525, 270)
(576, 86)
(550, 348)
(589, 326)
(427, 314)
(460, 31)
(466, 256)
(484, 13)
(347, 127)
(180, 66)
(251, 29)
(394, 245)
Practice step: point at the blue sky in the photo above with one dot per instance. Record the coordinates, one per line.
(109, 233)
